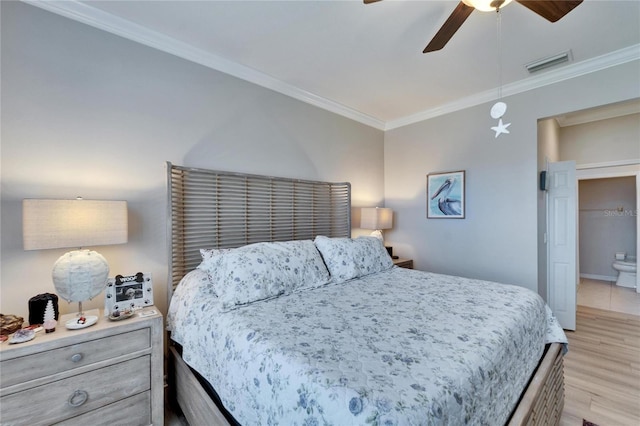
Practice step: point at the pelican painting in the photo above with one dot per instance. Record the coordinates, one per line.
(445, 195)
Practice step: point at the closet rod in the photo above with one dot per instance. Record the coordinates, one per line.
(618, 209)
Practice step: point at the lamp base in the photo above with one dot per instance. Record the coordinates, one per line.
(75, 322)
(378, 234)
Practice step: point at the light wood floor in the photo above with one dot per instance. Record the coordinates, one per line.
(602, 369)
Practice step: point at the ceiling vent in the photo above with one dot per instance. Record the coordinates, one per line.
(551, 61)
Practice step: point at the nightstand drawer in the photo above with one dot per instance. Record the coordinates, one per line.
(23, 369)
(76, 395)
(133, 411)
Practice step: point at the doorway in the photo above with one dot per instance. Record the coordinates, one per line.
(603, 143)
(608, 224)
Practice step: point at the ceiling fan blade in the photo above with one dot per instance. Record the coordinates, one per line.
(371, 1)
(449, 28)
(550, 10)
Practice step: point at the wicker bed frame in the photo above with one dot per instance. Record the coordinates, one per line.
(225, 210)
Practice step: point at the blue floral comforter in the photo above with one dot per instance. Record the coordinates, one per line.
(399, 347)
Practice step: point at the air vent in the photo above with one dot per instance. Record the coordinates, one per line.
(551, 61)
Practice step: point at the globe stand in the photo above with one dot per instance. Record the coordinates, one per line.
(77, 321)
(81, 319)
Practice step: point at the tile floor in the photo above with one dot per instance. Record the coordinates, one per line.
(607, 295)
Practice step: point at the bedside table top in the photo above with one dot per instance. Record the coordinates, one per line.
(103, 326)
(403, 263)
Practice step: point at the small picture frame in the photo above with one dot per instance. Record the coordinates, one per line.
(125, 293)
(446, 195)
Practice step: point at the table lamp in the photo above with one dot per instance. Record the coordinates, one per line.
(376, 218)
(80, 274)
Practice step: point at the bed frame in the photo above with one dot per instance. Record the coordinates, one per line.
(215, 209)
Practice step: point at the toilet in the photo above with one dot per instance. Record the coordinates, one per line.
(627, 270)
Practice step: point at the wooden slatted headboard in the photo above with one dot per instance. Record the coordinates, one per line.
(213, 209)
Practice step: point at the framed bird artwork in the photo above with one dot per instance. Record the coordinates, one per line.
(445, 195)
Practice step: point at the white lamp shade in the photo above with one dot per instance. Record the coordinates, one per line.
(376, 218)
(79, 274)
(48, 224)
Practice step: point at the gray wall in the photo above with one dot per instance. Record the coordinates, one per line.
(88, 113)
(602, 232)
(498, 240)
(602, 141)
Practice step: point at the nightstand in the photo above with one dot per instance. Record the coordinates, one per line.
(109, 373)
(403, 263)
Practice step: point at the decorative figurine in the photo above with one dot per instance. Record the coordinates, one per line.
(49, 321)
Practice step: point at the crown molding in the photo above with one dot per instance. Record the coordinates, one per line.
(618, 57)
(617, 163)
(89, 15)
(600, 113)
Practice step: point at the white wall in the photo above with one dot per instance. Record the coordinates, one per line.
(498, 239)
(88, 113)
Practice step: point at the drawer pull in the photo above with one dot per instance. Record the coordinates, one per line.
(76, 357)
(78, 398)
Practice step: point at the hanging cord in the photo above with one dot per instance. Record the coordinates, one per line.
(499, 108)
(499, 36)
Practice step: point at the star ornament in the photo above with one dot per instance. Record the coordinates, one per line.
(501, 128)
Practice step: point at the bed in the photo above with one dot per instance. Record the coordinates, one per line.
(323, 329)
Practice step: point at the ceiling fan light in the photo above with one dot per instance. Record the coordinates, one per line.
(486, 5)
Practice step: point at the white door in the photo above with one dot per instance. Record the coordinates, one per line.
(637, 229)
(562, 247)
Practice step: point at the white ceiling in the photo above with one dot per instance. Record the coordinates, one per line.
(365, 61)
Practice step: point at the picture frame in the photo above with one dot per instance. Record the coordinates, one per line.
(446, 195)
(126, 293)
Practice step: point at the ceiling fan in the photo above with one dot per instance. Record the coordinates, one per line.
(549, 9)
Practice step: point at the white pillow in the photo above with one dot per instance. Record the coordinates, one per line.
(263, 270)
(348, 258)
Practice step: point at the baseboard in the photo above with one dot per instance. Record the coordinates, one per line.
(598, 277)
